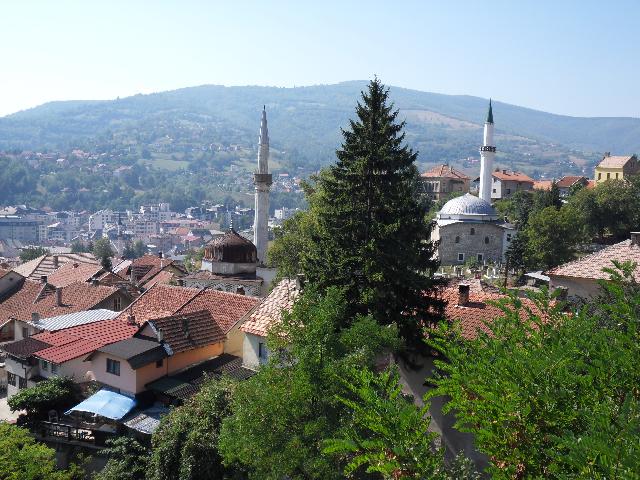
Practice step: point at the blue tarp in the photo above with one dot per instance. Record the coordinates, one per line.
(106, 404)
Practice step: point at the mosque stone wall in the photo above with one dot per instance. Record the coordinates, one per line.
(468, 244)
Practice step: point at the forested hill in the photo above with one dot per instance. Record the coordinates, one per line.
(304, 124)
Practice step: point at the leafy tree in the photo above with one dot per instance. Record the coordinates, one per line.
(550, 395)
(139, 248)
(387, 434)
(55, 393)
(30, 253)
(193, 259)
(127, 460)
(372, 239)
(22, 458)
(552, 237)
(78, 247)
(128, 252)
(185, 445)
(102, 250)
(283, 413)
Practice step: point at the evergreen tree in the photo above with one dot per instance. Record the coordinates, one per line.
(372, 238)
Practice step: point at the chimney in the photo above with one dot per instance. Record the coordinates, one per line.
(635, 238)
(185, 326)
(35, 317)
(55, 261)
(180, 282)
(95, 282)
(504, 171)
(463, 294)
(131, 319)
(43, 279)
(300, 282)
(160, 336)
(59, 296)
(132, 277)
(240, 290)
(160, 254)
(607, 154)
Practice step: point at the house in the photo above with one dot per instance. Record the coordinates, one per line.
(149, 270)
(506, 183)
(47, 264)
(267, 314)
(443, 180)
(580, 277)
(570, 182)
(616, 167)
(31, 300)
(542, 184)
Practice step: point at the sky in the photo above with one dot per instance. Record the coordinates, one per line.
(571, 57)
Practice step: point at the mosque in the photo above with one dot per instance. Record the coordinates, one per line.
(468, 228)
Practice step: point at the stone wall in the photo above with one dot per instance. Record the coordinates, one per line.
(470, 245)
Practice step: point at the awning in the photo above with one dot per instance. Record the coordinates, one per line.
(106, 404)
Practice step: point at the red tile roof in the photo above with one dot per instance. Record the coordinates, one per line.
(186, 331)
(34, 297)
(515, 176)
(269, 312)
(69, 351)
(73, 272)
(590, 266)
(166, 300)
(570, 180)
(477, 312)
(163, 277)
(148, 266)
(445, 171)
(542, 184)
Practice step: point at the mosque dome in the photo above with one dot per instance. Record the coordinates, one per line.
(231, 248)
(467, 206)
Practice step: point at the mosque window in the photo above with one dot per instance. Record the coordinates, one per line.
(457, 239)
(461, 257)
(473, 231)
(486, 240)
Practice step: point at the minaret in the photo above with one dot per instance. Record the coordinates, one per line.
(487, 154)
(262, 181)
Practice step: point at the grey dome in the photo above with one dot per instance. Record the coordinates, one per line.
(468, 205)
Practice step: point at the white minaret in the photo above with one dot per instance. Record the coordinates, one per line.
(262, 181)
(487, 154)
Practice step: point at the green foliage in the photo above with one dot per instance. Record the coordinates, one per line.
(22, 458)
(387, 433)
(30, 253)
(552, 237)
(371, 238)
(103, 251)
(283, 413)
(139, 249)
(193, 259)
(185, 445)
(78, 247)
(551, 395)
(127, 460)
(55, 393)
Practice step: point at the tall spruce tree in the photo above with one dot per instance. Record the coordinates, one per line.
(372, 238)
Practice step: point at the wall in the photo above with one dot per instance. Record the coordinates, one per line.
(469, 244)
(13, 366)
(125, 382)
(189, 358)
(235, 341)
(576, 287)
(10, 281)
(250, 350)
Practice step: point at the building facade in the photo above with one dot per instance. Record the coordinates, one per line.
(443, 180)
(616, 167)
(505, 183)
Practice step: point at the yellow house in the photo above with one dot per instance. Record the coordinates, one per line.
(616, 168)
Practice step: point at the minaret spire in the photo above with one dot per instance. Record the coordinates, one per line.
(487, 155)
(262, 181)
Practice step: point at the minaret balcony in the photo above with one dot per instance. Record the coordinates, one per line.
(487, 148)
(263, 178)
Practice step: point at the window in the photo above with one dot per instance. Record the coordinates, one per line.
(616, 175)
(113, 367)
(508, 191)
(608, 175)
(117, 304)
(262, 351)
(54, 368)
(473, 231)
(11, 378)
(25, 332)
(494, 190)
(508, 237)
(22, 382)
(159, 363)
(486, 240)
(480, 258)
(461, 257)
(457, 239)
(599, 176)
(44, 365)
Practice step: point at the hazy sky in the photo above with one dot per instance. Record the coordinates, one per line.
(571, 57)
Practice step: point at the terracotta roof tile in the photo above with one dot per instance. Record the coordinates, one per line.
(477, 313)
(68, 351)
(186, 331)
(570, 180)
(227, 308)
(590, 266)
(542, 184)
(269, 312)
(515, 176)
(45, 265)
(73, 272)
(163, 277)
